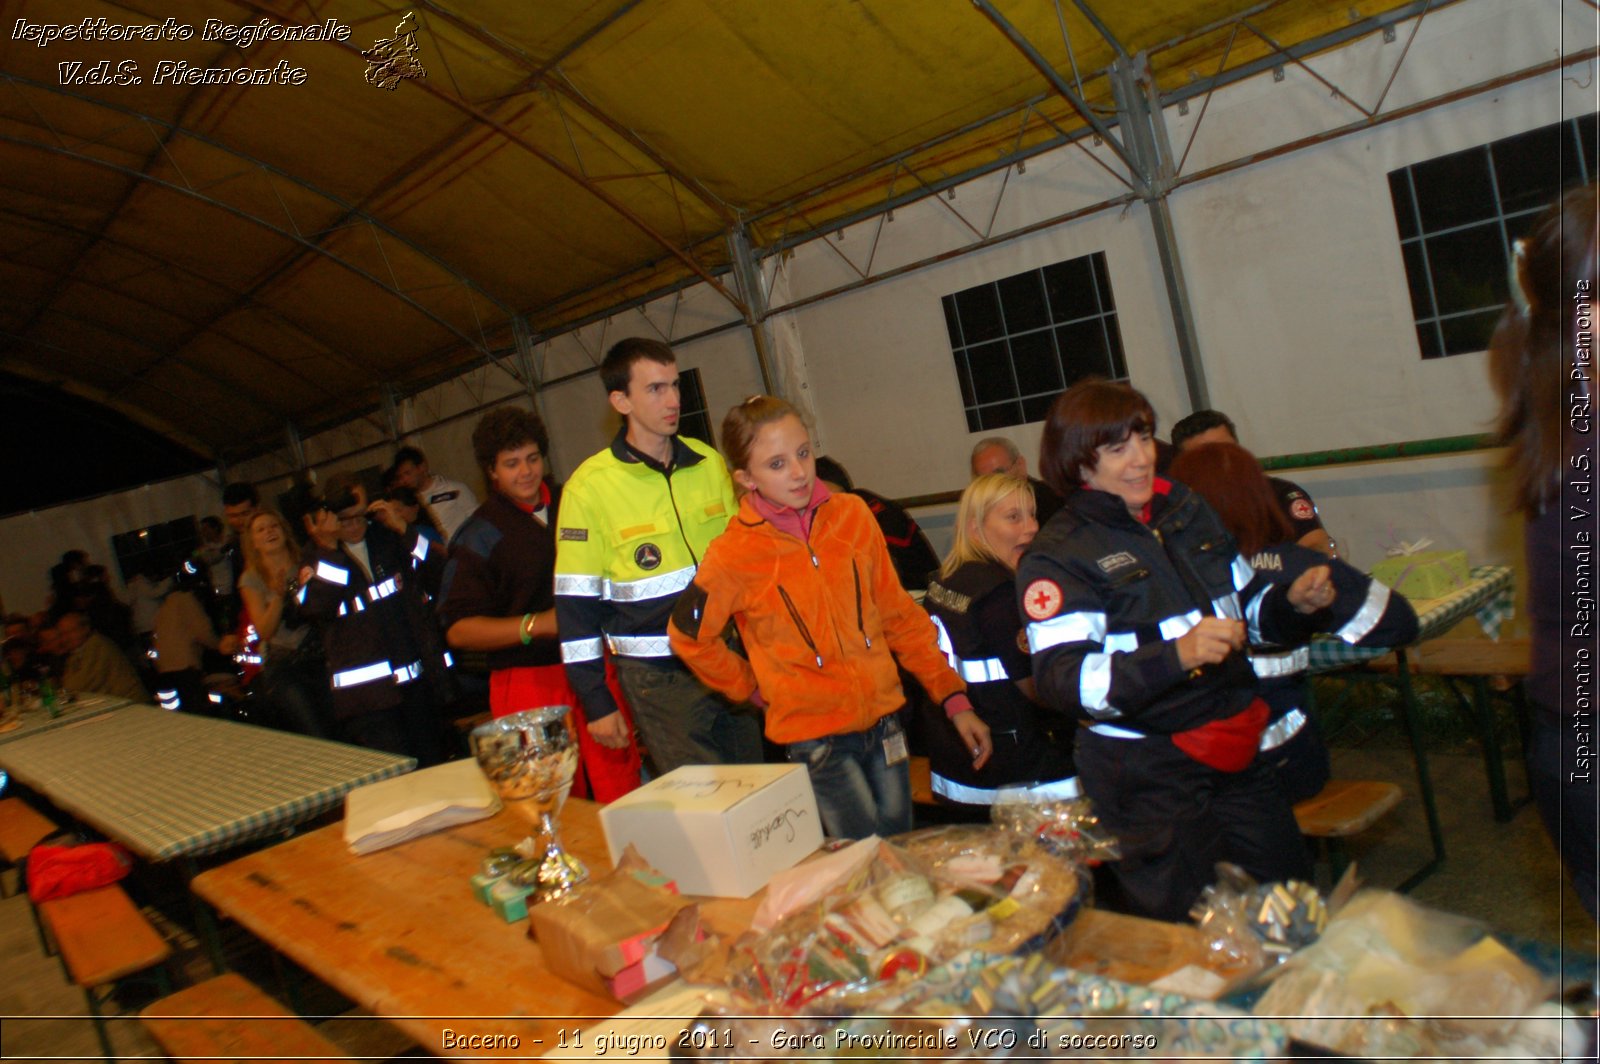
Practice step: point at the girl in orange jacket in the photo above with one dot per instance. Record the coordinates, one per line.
(806, 577)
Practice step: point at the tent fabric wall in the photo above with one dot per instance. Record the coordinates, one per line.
(1293, 265)
(33, 542)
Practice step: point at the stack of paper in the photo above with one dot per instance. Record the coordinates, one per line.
(393, 810)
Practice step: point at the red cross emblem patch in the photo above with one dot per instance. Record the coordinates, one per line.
(1302, 510)
(1042, 600)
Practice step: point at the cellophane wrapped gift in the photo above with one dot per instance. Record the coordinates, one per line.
(1392, 979)
(1426, 574)
(905, 910)
(1065, 827)
(982, 1006)
(1249, 926)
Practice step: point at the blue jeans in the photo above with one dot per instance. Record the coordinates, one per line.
(858, 792)
(683, 723)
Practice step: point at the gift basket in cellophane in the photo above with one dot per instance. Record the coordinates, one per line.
(928, 945)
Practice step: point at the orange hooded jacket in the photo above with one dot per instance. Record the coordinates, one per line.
(818, 617)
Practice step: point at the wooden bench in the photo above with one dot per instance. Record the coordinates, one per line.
(22, 827)
(228, 1016)
(104, 938)
(1489, 666)
(1341, 809)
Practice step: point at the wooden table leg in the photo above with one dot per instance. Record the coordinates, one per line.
(1408, 717)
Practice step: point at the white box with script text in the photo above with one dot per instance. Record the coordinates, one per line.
(719, 830)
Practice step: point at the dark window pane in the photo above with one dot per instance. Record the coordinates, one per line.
(1405, 217)
(697, 426)
(1118, 368)
(1083, 349)
(1417, 277)
(1454, 189)
(1529, 168)
(1038, 368)
(965, 377)
(974, 422)
(1469, 269)
(1022, 302)
(991, 372)
(1469, 333)
(950, 322)
(1037, 408)
(998, 417)
(979, 309)
(1428, 340)
(1102, 281)
(1071, 289)
(1521, 225)
(690, 397)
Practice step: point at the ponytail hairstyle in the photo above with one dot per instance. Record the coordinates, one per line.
(1532, 358)
(741, 424)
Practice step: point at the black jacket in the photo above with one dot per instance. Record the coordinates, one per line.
(1364, 613)
(378, 633)
(503, 564)
(975, 610)
(1107, 597)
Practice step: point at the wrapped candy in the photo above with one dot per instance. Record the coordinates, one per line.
(1249, 926)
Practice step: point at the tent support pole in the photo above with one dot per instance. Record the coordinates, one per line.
(1141, 122)
(747, 277)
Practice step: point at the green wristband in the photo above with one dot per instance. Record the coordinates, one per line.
(527, 629)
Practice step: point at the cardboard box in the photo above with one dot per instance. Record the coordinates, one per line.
(603, 928)
(719, 830)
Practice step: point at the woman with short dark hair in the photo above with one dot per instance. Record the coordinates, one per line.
(1138, 609)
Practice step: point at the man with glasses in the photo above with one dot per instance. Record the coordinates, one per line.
(386, 659)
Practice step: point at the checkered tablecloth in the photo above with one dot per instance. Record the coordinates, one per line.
(82, 707)
(171, 785)
(1487, 596)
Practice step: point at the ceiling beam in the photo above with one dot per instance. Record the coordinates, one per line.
(1065, 91)
(194, 277)
(226, 384)
(229, 208)
(594, 188)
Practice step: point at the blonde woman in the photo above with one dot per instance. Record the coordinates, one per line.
(973, 602)
(291, 686)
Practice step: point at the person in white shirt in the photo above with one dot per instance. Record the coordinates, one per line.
(448, 502)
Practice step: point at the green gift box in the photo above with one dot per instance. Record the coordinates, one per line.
(482, 885)
(1426, 574)
(510, 900)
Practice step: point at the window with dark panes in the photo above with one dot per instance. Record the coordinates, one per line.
(1020, 341)
(1459, 215)
(693, 418)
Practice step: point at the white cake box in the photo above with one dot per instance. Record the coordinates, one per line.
(719, 830)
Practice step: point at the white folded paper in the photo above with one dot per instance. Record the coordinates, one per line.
(404, 807)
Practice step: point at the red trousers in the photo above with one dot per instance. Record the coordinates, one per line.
(605, 774)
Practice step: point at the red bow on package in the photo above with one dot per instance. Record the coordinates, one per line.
(59, 871)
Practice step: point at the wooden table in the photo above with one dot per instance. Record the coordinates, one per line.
(1487, 596)
(36, 719)
(399, 932)
(169, 785)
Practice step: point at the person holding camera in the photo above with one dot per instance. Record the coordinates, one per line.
(385, 655)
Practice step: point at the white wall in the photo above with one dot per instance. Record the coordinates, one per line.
(33, 542)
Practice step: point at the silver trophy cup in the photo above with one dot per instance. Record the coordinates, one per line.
(530, 759)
